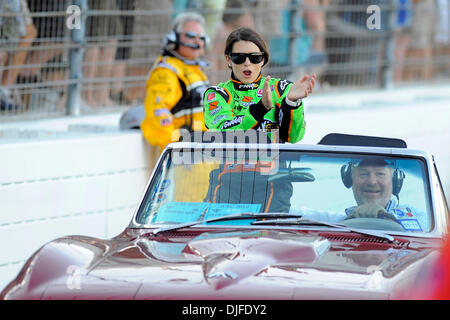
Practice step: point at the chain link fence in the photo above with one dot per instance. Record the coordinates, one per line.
(71, 57)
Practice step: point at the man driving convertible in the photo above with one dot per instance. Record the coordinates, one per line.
(376, 184)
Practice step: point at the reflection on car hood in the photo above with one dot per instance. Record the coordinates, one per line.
(240, 265)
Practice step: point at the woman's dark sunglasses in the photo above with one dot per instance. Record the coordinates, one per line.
(238, 58)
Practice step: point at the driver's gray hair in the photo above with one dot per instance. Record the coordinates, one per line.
(184, 17)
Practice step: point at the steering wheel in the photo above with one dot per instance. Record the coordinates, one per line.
(373, 223)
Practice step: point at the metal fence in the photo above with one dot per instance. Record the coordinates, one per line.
(89, 56)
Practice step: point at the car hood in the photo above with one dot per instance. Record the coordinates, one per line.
(256, 264)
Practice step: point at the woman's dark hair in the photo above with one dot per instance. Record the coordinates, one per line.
(247, 34)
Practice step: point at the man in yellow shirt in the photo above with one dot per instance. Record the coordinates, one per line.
(174, 99)
(175, 86)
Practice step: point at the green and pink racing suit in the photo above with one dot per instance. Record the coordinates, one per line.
(234, 105)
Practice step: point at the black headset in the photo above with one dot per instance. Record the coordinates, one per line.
(171, 40)
(397, 177)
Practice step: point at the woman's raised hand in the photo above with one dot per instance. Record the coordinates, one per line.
(301, 88)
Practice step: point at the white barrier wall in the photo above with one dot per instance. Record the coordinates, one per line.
(57, 184)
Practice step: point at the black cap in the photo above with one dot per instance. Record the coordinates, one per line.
(373, 161)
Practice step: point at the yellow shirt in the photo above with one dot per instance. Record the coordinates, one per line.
(174, 99)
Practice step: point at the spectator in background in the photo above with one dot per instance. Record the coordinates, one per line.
(442, 34)
(268, 16)
(123, 53)
(402, 37)
(236, 14)
(311, 55)
(47, 61)
(300, 39)
(51, 30)
(148, 30)
(314, 16)
(442, 37)
(420, 50)
(99, 57)
(47, 65)
(18, 32)
(212, 11)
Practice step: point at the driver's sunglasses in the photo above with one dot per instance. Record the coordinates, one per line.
(193, 35)
(254, 57)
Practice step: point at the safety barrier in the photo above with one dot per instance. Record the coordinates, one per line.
(67, 176)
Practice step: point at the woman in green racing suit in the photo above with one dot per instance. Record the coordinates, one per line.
(250, 101)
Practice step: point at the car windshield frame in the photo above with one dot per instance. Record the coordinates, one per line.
(351, 151)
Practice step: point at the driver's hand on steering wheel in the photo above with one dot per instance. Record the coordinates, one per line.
(370, 210)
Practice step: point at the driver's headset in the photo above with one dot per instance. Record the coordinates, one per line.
(171, 40)
(397, 177)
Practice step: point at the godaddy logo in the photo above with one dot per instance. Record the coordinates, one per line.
(231, 123)
(248, 86)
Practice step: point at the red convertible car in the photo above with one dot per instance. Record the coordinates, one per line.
(349, 218)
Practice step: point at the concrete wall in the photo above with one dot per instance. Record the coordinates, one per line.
(63, 181)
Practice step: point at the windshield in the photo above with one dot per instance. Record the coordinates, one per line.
(365, 191)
